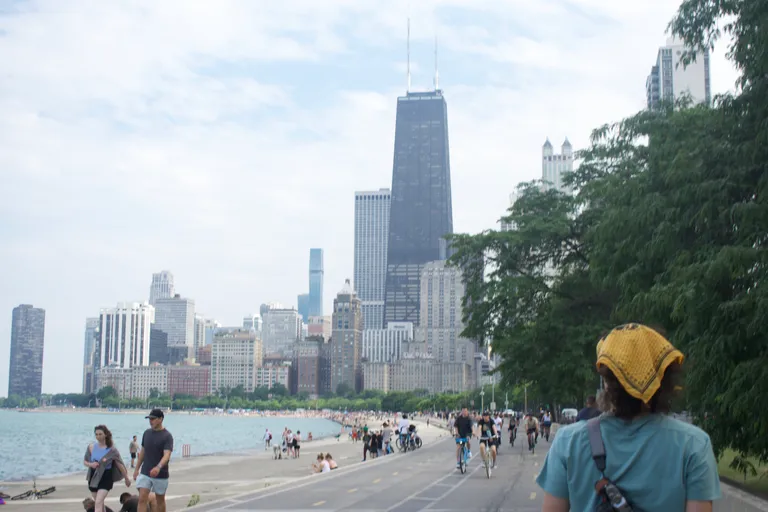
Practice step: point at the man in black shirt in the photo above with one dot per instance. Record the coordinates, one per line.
(590, 411)
(486, 430)
(156, 448)
(462, 428)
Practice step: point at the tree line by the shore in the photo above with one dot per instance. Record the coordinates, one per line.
(277, 398)
(669, 227)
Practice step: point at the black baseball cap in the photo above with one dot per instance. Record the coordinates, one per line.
(155, 413)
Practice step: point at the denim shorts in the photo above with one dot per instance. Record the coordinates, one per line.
(156, 485)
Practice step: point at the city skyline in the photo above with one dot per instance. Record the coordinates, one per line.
(507, 89)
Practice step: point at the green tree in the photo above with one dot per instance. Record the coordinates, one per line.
(106, 392)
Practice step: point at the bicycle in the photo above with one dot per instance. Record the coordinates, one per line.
(487, 456)
(33, 494)
(463, 455)
(531, 442)
(403, 442)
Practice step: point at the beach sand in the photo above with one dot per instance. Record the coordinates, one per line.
(215, 476)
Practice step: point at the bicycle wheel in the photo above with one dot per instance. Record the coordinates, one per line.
(47, 491)
(418, 442)
(487, 461)
(463, 460)
(22, 496)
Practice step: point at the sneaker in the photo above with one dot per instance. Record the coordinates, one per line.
(458, 465)
(470, 455)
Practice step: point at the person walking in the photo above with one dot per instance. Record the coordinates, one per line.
(105, 466)
(154, 458)
(633, 454)
(133, 448)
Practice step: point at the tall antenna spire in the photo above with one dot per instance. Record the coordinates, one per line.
(437, 85)
(408, 50)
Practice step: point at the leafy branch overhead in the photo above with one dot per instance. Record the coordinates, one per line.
(669, 228)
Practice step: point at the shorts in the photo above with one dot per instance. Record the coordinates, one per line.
(295, 443)
(156, 485)
(531, 431)
(460, 440)
(133, 455)
(547, 424)
(105, 483)
(488, 441)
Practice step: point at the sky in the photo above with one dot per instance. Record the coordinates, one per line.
(222, 140)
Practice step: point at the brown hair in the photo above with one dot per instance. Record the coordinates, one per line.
(107, 434)
(614, 398)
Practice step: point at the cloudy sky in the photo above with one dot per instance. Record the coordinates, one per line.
(221, 140)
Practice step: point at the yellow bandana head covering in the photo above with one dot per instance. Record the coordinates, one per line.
(638, 356)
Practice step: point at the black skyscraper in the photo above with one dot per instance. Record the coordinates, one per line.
(421, 213)
(25, 376)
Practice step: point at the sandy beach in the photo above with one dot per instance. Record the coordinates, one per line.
(216, 476)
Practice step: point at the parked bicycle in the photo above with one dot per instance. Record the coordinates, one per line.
(34, 493)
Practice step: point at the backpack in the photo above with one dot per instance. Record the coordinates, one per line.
(611, 498)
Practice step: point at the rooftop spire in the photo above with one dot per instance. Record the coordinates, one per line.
(437, 86)
(408, 52)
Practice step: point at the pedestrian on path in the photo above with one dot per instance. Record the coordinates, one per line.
(633, 451)
(105, 466)
(154, 459)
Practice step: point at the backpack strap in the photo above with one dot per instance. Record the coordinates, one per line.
(596, 443)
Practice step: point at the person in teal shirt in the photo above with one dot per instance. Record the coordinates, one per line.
(659, 463)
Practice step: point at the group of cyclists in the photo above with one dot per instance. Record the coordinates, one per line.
(488, 428)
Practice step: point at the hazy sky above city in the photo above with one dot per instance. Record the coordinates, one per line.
(223, 139)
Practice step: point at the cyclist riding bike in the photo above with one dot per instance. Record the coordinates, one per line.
(499, 429)
(486, 431)
(546, 423)
(402, 429)
(462, 430)
(531, 429)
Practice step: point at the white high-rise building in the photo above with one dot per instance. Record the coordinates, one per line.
(281, 329)
(555, 166)
(175, 316)
(386, 345)
(670, 79)
(235, 356)
(124, 335)
(253, 322)
(512, 199)
(371, 241)
(161, 287)
(442, 288)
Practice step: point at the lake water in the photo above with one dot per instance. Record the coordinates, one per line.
(42, 444)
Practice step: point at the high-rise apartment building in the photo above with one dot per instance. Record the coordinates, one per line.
(90, 343)
(281, 330)
(386, 345)
(161, 287)
(442, 289)
(252, 322)
(421, 210)
(124, 336)
(175, 316)
(346, 339)
(670, 79)
(554, 166)
(371, 239)
(199, 331)
(25, 373)
(316, 275)
(235, 356)
(319, 326)
(512, 200)
(302, 301)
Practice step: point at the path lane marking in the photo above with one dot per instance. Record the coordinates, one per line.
(533, 495)
(377, 480)
(318, 503)
(352, 490)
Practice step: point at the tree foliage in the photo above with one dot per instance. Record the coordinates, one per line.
(669, 228)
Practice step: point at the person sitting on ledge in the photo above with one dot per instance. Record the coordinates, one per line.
(130, 502)
(89, 505)
(331, 463)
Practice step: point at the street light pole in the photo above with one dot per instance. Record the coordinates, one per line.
(482, 400)
(525, 387)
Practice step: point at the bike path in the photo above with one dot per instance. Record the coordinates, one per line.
(425, 479)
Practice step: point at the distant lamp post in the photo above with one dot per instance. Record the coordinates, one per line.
(482, 400)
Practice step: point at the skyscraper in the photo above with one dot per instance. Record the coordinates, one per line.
(346, 339)
(124, 336)
(315, 283)
(555, 166)
(90, 344)
(176, 317)
(302, 301)
(25, 374)
(161, 287)
(371, 237)
(669, 79)
(421, 212)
